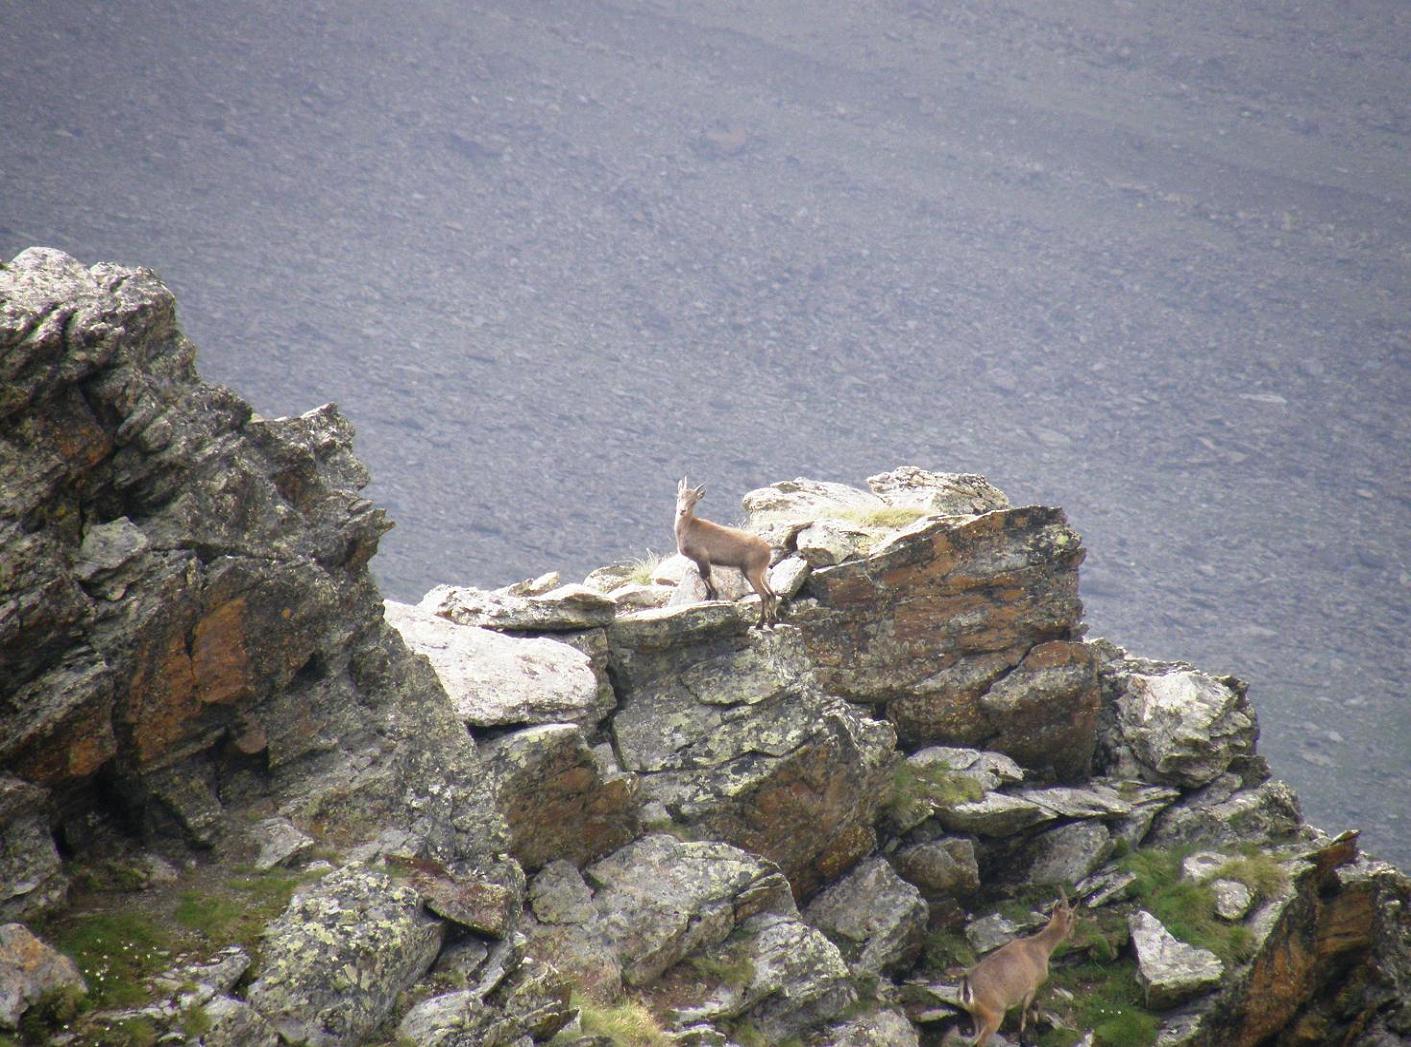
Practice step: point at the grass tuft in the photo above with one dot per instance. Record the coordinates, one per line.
(627, 1024)
(116, 952)
(1185, 908)
(1265, 877)
(890, 516)
(644, 567)
(916, 791)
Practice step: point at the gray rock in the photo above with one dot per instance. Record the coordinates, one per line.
(1232, 899)
(632, 597)
(728, 733)
(279, 842)
(996, 814)
(32, 880)
(1102, 887)
(660, 898)
(533, 1004)
(332, 964)
(30, 969)
(1202, 865)
(877, 1027)
(788, 576)
(228, 607)
(1183, 727)
(938, 494)
(496, 680)
(990, 932)
(555, 798)
(234, 1023)
(941, 868)
(608, 579)
(1266, 814)
(1094, 800)
(533, 586)
(781, 976)
(663, 627)
(567, 608)
(1170, 971)
(989, 770)
(559, 895)
(219, 974)
(875, 918)
(1066, 853)
(825, 543)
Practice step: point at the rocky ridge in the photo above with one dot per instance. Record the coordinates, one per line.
(528, 814)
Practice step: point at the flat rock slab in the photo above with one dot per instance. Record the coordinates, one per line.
(569, 608)
(660, 898)
(995, 815)
(1170, 971)
(496, 680)
(332, 964)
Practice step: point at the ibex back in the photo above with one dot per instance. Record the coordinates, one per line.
(1012, 975)
(711, 544)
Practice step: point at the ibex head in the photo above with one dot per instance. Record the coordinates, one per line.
(687, 497)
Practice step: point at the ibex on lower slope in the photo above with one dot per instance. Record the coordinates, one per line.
(1012, 975)
(709, 544)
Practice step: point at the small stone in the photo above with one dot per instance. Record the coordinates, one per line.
(279, 842)
(1170, 971)
(1232, 899)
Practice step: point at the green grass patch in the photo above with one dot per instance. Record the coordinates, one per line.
(1184, 907)
(239, 912)
(947, 949)
(1265, 877)
(628, 1023)
(915, 791)
(1107, 999)
(116, 952)
(735, 974)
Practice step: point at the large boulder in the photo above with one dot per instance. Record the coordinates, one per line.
(30, 971)
(1173, 724)
(555, 798)
(929, 619)
(187, 591)
(32, 880)
(332, 964)
(877, 919)
(569, 608)
(496, 680)
(727, 730)
(660, 898)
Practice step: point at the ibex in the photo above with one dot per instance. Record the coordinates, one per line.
(1012, 975)
(709, 544)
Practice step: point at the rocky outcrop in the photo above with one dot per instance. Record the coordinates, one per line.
(333, 964)
(186, 614)
(508, 806)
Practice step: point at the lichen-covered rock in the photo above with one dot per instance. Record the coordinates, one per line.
(937, 494)
(995, 814)
(1172, 724)
(533, 1004)
(32, 880)
(30, 970)
(568, 608)
(1220, 815)
(1061, 855)
(194, 584)
(943, 611)
(877, 1027)
(729, 733)
(496, 680)
(278, 842)
(559, 894)
(660, 898)
(940, 868)
(774, 972)
(1170, 971)
(877, 919)
(332, 964)
(556, 800)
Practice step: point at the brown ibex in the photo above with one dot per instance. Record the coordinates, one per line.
(1012, 975)
(708, 544)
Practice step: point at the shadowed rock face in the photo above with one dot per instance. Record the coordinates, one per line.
(185, 606)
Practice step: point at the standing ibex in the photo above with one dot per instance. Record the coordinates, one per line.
(1012, 975)
(708, 543)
